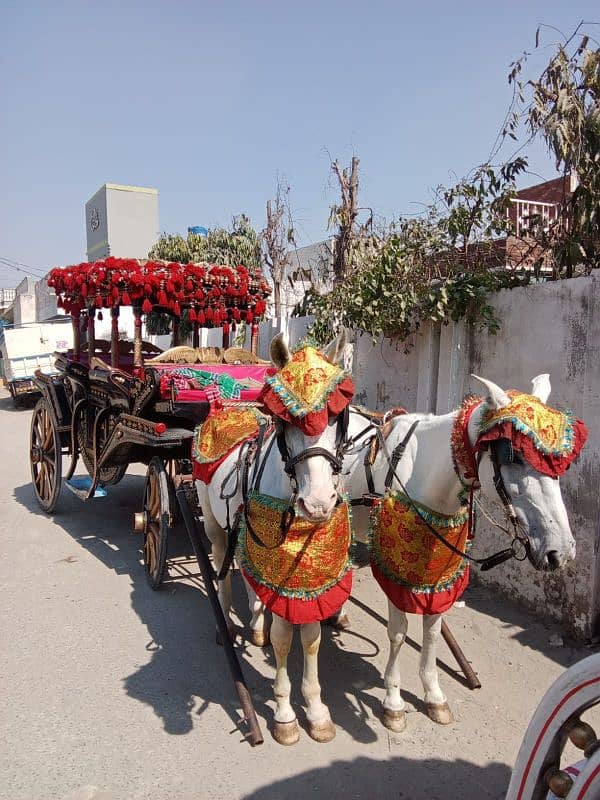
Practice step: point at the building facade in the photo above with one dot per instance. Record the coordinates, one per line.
(121, 221)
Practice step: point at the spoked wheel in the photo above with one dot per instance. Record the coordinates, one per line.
(46, 457)
(156, 520)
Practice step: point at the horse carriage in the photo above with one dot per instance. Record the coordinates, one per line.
(272, 459)
(116, 403)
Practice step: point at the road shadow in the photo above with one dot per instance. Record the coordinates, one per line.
(391, 779)
(533, 632)
(186, 672)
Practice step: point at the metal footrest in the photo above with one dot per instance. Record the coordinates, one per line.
(80, 487)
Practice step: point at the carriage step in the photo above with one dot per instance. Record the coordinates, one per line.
(81, 487)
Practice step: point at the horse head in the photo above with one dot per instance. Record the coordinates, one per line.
(527, 445)
(309, 396)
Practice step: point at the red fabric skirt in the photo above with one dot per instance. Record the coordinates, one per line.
(429, 603)
(299, 610)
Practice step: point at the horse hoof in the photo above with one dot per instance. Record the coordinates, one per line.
(260, 638)
(440, 713)
(286, 732)
(322, 732)
(394, 720)
(231, 631)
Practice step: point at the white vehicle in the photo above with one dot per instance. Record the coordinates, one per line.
(30, 347)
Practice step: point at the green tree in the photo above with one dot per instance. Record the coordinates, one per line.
(562, 107)
(437, 267)
(241, 245)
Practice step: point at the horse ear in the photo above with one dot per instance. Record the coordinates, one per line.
(279, 350)
(541, 387)
(496, 397)
(334, 351)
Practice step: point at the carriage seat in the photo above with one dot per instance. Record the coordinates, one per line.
(180, 383)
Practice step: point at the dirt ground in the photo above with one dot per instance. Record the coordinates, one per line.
(115, 692)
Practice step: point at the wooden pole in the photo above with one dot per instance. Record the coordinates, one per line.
(254, 338)
(114, 337)
(91, 331)
(175, 331)
(473, 681)
(196, 335)
(226, 331)
(75, 321)
(137, 336)
(193, 528)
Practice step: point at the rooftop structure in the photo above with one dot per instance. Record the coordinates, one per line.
(121, 221)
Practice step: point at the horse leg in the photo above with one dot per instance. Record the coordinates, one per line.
(286, 729)
(320, 726)
(435, 700)
(259, 631)
(394, 715)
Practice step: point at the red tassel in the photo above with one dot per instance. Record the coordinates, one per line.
(115, 292)
(162, 298)
(236, 314)
(192, 316)
(176, 309)
(84, 290)
(189, 285)
(201, 318)
(146, 306)
(210, 315)
(126, 300)
(98, 301)
(249, 316)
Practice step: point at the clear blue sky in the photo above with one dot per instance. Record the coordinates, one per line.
(210, 102)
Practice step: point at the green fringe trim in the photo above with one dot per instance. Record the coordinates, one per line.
(278, 504)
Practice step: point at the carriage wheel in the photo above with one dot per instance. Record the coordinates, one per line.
(173, 468)
(157, 520)
(46, 457)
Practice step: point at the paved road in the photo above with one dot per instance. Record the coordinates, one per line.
(116, 692)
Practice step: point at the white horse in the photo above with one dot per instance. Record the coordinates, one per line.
(316, 499)
(428, 476)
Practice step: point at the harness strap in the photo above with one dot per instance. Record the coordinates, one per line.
(396, 455)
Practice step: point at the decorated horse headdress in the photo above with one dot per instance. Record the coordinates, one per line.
(549, 439)
(309, 388)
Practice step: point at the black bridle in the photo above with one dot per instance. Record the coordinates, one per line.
(255, 457)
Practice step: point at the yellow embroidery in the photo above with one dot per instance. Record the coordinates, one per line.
(550, 430)
(406, 552)
(306, 382)
(313, 558)
(221, 432)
